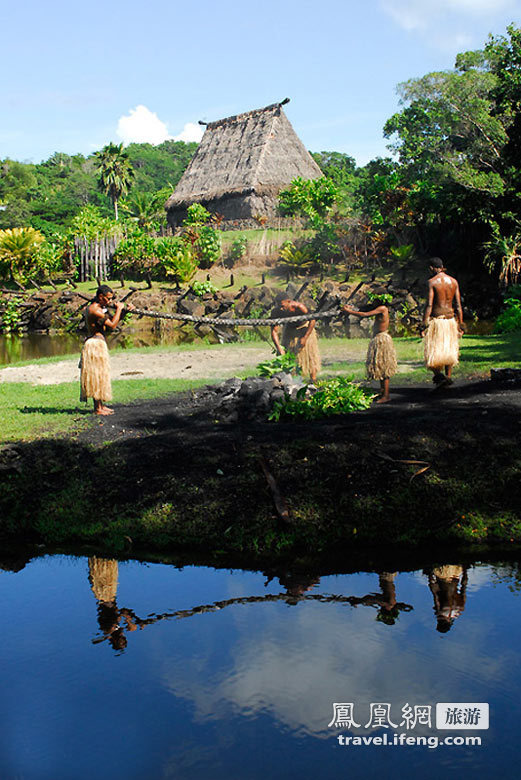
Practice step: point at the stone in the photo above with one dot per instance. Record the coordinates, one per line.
(193, 307)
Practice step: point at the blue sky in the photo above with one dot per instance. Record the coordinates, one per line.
(76, 76)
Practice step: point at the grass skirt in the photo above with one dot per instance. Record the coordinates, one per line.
(380, 362)
(95, 371)
(441, 345)
(308, 357)
(103, 578)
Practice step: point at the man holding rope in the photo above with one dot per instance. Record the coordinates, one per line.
(94, 362)
(299, 338)
(442, 327)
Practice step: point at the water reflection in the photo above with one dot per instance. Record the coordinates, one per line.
(448, 586)
(240, 668)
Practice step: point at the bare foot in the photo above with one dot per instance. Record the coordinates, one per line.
(104, 410)
(383, 399)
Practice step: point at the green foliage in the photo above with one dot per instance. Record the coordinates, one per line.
(403, 253)
(196, 214)
(286, 363)
(312, 198)
(146, 209)
(11, 316)
(203, 288)
(381, 298)
(238, 248)
(207, 246)
(19, 253)
(334, 396)
(91, 224)
(299, 260)
(504, 253)
(510, 318)
(140, 253)
(178, 259)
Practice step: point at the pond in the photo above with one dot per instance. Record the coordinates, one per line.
(145, 670)
(39, 345)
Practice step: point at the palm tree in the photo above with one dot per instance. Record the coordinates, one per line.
(146, 208)
(115, 171)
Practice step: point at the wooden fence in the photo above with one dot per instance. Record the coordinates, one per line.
(94, 258)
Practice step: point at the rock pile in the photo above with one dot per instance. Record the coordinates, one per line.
(249, 399)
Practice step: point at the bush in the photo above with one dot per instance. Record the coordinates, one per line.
(334, 396)
(286, 363)
(510, 318)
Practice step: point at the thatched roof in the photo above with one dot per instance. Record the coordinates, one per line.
(253, 152)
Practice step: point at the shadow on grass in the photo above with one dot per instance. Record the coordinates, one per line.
(53, 410)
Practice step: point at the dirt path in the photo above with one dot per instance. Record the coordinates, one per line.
(214, 362)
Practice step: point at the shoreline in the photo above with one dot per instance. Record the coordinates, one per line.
(162, 475)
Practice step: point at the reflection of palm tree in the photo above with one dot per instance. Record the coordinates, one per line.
(449, 593)
(116, 172)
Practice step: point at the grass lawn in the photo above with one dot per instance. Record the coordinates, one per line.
(29, 412)
(38, 411)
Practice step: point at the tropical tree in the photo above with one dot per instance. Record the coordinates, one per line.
(116, 173)
(146, 208)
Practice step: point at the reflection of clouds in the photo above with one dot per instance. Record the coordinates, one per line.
(293, 663)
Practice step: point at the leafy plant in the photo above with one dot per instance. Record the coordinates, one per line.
(309, 197)
(286, 363)
(504, 252)
(334, 396)
(207, 246)
(202, 288)
(196, 214)
(238, 248)
(297, 259)
(381, 298)
(11, 316)
(402, 253)
(510, 318)
(19, 252)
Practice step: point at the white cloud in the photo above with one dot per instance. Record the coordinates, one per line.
(142, 126)
(190, 132)
(422, 14)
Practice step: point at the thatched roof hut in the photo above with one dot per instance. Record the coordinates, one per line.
(241, 165)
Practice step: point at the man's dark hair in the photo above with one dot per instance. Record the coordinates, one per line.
(104, 289)
(436, 262)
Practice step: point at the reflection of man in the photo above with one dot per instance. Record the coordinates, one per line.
(299, 338)
(449, 594)
(103, 577)
(389, 611)
(296, 585)
(442, 327)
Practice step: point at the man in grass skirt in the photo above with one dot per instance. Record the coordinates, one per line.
(94, 362)
(442, 326)
(298, 338)
(381, 363)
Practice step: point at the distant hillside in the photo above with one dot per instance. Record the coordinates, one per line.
(49, 194)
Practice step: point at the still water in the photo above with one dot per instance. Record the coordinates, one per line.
(141, 670)
(39, 345)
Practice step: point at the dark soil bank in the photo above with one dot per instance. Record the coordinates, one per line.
(168, 475)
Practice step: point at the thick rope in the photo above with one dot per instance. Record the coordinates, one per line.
(331, 313)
